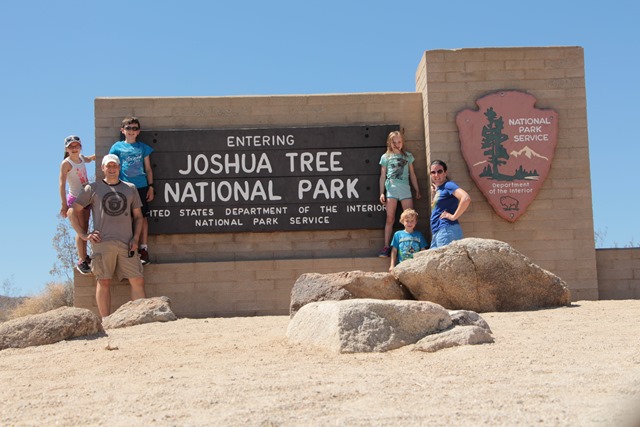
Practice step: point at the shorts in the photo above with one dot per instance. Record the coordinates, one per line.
(112, 257)
(71, 199)
(142, 191)
(397, 190)
(445, 235)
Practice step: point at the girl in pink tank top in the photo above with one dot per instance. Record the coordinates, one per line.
(74, 174)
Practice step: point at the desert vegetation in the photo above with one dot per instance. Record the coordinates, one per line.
(57, 293)
(53, 296)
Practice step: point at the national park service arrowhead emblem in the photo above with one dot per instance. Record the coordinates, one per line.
(508, 145)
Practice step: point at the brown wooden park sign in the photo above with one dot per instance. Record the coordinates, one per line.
(508, 145)
(269, 179)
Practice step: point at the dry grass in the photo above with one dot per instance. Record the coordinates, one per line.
(55, 295)
(7, 304)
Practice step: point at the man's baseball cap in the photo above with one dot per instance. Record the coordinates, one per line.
(71, 139)
(110, 158)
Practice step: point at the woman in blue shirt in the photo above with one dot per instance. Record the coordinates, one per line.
(448, 204)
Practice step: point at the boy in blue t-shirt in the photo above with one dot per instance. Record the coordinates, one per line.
(408, 241)
(136, 169)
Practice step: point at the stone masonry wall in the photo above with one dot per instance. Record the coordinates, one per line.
(556, 232)
(252, 273)
(242, 288)
(228, 274)
(618, 273)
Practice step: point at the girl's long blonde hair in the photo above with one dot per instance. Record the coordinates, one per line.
(392, 135)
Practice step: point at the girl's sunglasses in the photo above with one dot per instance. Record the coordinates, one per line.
(70, 139)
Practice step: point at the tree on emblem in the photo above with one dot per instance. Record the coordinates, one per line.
(492, 139)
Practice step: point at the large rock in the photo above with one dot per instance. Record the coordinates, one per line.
(144, 310)
(312, 287)
(366, 325)
(481, 275)
(48, 328)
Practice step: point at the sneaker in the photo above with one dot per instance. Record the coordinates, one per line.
(83, 267)
(385, 252)
(87, 259)
(144, 256)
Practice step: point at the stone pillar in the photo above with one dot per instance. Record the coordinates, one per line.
(556, 231)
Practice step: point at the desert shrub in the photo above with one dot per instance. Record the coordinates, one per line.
(7, 304)
(55, 295)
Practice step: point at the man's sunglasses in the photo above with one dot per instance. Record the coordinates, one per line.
(131, 128)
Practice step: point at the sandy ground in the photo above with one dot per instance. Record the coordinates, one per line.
(577, 366)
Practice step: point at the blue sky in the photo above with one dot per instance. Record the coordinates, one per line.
(57, 57)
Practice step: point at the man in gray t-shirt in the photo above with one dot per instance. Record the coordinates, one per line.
(115, 205)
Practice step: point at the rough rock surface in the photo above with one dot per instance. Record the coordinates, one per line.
(481, 275)
(366, 325)
(144, 310)
(458, 335)
(468, 318)
(48, 328)
(312, 287)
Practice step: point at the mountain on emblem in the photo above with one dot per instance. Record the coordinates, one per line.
(508, 146)
(528, 152)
